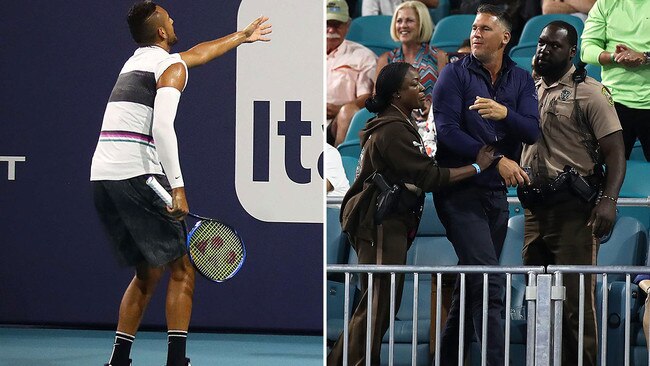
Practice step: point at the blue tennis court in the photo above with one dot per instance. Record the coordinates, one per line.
(63, 347)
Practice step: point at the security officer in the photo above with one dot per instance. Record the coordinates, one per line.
(572, 200)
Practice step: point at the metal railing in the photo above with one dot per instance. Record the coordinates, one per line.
(438, 271)
(558, 272)
(545, 294)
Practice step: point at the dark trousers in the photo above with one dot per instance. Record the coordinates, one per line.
(559, 235)
(391, 250)
(476, 221)
(636, 124)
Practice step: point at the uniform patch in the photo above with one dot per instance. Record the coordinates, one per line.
(607, 95)
(565, 94)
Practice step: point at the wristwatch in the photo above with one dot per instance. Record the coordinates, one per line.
(647, 58)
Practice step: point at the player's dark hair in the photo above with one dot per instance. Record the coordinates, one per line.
(497, 11)
(572, 34)
(142, 32)
(389, 81)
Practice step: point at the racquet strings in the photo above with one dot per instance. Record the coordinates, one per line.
(216, 250)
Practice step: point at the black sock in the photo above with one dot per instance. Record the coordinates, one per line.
(121, 349)
(176, 340)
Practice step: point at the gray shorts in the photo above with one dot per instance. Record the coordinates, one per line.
(137, 222)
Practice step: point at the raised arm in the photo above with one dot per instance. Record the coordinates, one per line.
(205, 52)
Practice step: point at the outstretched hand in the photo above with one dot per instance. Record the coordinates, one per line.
(257, 30)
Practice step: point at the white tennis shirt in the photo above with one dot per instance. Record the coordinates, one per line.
(126, 148)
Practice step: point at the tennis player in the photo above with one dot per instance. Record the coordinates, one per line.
(137, 140)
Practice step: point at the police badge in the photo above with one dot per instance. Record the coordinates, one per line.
(565, 94)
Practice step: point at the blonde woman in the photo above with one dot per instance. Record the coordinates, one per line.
(412, 27)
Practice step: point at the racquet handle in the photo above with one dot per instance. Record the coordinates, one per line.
(160, 191)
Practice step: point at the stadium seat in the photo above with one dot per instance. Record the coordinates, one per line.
(451, 31)
(372, 31)
(636, 179)
(525, 49)
(441, 11)
(357, 123)
(636, 185)
(594, 71)
(337, 246)
(524, 63)
(336, 301)
(350, 167)
(336, 308)
(628, 245)
(338, 252)
(350, 148)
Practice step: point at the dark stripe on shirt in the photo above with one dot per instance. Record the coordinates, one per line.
(135, 87)
(126, 134)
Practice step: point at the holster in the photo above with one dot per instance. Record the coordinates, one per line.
(568, 184)
(394, 198)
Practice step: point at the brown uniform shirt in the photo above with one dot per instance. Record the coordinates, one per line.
(563, 136)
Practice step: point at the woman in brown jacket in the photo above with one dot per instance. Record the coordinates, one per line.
(392, 148)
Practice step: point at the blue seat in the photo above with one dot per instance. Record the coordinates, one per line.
(350, 166)
(451, 31)
(372, 31)
(594, 71)
(636, 179)
(338, 252)
(441, 11)
(628, 245)
(336, 242)
(531, 32)
(636, 185)
(357, 123)
(524, 62)
(350, 148)
(336, 307)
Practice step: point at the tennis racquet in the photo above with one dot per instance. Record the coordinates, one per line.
(215, 249)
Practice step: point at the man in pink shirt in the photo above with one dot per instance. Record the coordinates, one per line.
(350, 72)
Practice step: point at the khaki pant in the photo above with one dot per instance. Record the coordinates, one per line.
(393, 250)
(560, 235)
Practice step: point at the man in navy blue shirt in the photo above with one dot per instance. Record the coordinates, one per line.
(482, 99)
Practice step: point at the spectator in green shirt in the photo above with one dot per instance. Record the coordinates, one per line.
(616, 37)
